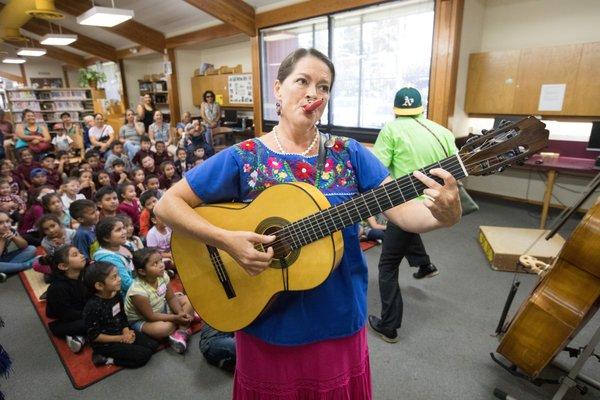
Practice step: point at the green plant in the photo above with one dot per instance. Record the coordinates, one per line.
(88, 76)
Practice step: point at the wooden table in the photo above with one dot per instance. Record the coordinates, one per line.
(552, 166)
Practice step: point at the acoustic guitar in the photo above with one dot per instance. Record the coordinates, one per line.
(565, 298)
(308, 244)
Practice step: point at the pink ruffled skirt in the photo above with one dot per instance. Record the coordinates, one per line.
(336, 369)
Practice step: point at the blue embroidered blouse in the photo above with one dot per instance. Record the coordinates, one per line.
(337, 308)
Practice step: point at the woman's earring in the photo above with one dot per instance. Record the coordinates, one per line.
(278, 108)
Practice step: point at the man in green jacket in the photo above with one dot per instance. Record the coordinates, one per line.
(408, 143)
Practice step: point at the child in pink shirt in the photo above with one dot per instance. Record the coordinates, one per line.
(129, 205)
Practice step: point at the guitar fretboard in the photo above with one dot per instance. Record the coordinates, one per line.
(365, 205)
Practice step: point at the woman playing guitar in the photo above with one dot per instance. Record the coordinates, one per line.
(307, 343)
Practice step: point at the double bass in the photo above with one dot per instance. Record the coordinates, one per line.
(561, 303)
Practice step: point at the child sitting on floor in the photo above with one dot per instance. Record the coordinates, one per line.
(129, 205)
(15, 254)
(108, 331)
(53, 205)
(133, 242)
(112, 236)
(148, 199)
(151, 305)
(10, 203)
(159, 236)
(55, 234)
(66, 296)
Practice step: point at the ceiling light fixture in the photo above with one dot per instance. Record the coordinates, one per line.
(278, 36)
(31, 51)
(104, 16)
(58, 39)
(13, 60)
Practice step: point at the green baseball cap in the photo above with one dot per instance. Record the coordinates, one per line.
(408, 102)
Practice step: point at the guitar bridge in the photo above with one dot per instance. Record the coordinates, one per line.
(219, 267)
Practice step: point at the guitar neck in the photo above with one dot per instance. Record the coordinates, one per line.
(372, 202)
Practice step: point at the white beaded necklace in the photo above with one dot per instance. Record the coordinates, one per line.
(305, 152)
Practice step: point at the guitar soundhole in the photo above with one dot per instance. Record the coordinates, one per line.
(283, 252)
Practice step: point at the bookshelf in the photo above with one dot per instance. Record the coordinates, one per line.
(48, 104)
(159, 91)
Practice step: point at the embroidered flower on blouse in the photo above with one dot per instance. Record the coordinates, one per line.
(247, 167)
(248, 145)
(328, 166)
(339, 145)
(274, 163)
(303, 170)
(253, 179)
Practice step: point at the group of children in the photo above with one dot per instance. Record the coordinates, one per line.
(107, 257)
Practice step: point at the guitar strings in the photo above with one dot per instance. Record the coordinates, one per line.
(308, 228)
(294, 229)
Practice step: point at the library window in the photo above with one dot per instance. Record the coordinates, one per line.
(376, 51)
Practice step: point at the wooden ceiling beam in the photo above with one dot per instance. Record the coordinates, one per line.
(55, 53)
(134, 52)
(131, 29)
(308, 9)
(83, 43)
(235, 13)
(202, 36)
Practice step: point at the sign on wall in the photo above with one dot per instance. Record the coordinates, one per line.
(240, 89)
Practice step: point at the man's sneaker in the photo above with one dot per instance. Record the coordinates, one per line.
(3, 277)
(99, 359)
(426, 271)
(390, 337)
(75, 343)
(178, 340)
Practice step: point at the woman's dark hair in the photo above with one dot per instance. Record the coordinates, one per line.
(45, 218)
(289, 63)
(46, 200)
(122, 188)
(25, 111)
(96, 272)
(65, 114)
(104, 229)
(207, 93)
(140, 257)
(151, 101)
(60, 256)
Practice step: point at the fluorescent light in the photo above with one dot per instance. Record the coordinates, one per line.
(58, 39)
(104, 16)
(13, 60)
(31, 51)
(278, 36)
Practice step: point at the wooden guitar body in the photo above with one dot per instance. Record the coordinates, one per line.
(560, 304)
(273, 208)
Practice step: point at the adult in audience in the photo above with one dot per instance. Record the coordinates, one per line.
(210, 111)
(33, 135)
(88, 122)
(73, 131)
(318, 335)
(145, 111)
(131, 133)
(187, 118)
(160, 131)
(101, 134)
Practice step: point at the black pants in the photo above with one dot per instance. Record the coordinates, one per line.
(397, 244)
(71, 328)
(132, 355)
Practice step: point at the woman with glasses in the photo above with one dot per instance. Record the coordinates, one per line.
(210, 111)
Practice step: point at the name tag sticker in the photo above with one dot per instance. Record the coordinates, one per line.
(162, 289)
(116, 309)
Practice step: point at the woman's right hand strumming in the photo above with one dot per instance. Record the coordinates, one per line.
(241, 246)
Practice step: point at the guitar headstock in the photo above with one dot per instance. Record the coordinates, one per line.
(496, 149)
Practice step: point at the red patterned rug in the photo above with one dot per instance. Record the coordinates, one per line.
(79, 367)
(367, 244)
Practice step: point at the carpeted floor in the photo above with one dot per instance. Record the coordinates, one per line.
(443, 352)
